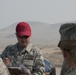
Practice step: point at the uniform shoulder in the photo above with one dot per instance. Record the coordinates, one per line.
(36, 50)
(11, 46)
(8, 50)
(72, 73)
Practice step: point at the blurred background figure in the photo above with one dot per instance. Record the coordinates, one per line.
(67, 45)
(3, 68)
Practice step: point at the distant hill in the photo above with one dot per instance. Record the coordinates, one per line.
(43, 35)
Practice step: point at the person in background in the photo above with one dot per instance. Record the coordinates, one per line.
(3, 68)
(23, 52)
(67, 45)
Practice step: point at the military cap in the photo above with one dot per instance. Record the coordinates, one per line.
(67, 32)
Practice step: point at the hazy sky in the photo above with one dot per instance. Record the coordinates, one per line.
(47, 11)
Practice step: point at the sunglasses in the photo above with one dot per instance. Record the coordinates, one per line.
(23, 37)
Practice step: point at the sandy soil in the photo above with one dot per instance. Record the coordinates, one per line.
(54, 56)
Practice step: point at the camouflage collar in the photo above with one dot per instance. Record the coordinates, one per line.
(28, 48)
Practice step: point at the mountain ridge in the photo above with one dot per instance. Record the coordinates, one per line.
(43, 34)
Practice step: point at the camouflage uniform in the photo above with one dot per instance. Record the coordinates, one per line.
(71, 71)
(29, 57)
(3, 68)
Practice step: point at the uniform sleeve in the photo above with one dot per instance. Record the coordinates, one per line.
(3, 69)
(39, 66)
(5, 53)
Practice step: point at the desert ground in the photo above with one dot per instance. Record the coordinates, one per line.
(55, 56)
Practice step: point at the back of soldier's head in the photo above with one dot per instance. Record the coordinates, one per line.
(67, 33)
(68, 38)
